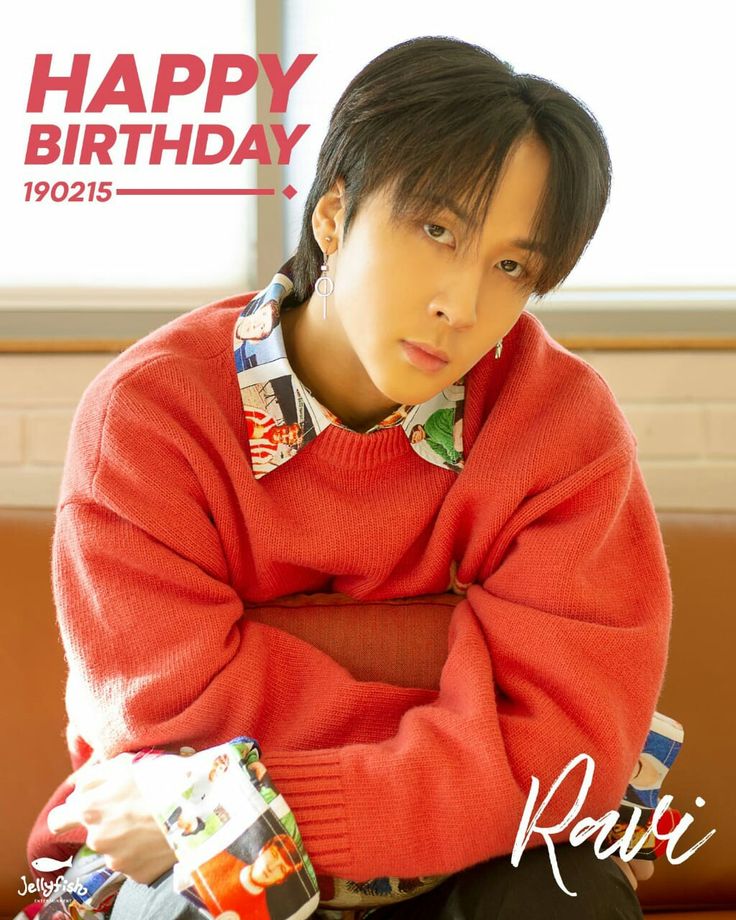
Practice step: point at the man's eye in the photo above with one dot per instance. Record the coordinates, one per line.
(512, 268)
(431, 231)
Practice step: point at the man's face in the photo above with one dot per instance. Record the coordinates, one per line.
(423, 281)
(270, 867)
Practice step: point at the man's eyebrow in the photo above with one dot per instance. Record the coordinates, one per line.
(528, 245)
(451, 206)
(461, 214)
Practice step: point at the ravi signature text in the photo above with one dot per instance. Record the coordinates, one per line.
(588, 827)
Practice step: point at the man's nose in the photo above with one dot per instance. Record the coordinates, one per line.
(458, 304)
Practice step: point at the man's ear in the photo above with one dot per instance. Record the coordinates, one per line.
(340, 189)
(329, 213)
(339, 216)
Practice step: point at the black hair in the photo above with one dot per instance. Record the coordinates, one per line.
(439, 115)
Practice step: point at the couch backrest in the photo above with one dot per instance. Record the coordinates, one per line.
(699, 690)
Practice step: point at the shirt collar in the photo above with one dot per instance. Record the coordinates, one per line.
(282, 415)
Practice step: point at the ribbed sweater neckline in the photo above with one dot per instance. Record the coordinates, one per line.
(358, 450)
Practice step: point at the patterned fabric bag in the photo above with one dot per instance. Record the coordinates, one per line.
(240, 854)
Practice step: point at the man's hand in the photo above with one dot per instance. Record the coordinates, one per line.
(107, 801)
(636, 870)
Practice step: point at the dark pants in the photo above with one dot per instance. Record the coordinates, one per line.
(493, 890)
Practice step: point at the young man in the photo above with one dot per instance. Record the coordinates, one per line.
(448, 189)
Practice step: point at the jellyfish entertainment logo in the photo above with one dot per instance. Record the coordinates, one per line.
(48, 889)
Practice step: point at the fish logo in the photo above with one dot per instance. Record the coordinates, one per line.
(49, 864)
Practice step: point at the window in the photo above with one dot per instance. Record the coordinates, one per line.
(657, 76)
(162, 244)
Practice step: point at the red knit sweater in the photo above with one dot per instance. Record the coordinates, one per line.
(559, 646)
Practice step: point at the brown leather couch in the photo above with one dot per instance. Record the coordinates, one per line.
(699, 691)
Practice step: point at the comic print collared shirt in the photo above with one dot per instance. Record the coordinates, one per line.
(281, 413)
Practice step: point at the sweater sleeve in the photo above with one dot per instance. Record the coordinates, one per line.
(561, 650)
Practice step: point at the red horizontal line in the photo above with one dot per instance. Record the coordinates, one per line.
(194, 191)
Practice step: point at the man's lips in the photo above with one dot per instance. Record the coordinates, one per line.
(430, 350)
(422, 359)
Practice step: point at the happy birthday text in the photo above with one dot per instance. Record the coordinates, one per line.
(178, 75)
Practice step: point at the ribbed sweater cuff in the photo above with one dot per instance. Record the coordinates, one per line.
(311, 784)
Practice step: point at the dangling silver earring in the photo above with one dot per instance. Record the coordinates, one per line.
(324, 285)
(499, 348)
